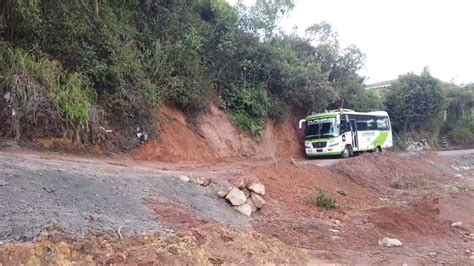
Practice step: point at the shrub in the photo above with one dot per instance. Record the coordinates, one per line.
(41, 93)
(246, 123)
(463, 132)
(324, 200)
(73, 100)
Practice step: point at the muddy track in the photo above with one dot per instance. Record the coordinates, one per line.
(411, 197)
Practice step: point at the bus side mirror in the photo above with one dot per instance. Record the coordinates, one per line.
(301, 123)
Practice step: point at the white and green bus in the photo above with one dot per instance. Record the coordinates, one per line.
(343, 132)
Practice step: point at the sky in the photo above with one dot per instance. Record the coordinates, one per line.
(397, 36)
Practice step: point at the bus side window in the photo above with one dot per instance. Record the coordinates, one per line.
(345, 127)
(382, 123)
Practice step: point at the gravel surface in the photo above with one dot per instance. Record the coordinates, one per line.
(87, 196)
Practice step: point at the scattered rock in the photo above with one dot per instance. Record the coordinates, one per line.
(236, 197)
(335, 231)
(3, 182)
(243, 183)
(342, 192)
(471, 257)
(258, 200)
(433, 254)
(390, 242)
(337, 222)
(196, 180)
(258, 188)
(456, 224)
(459, 175)
(206, 181)
(222, 193)
(335, 238)
(184, 178)
(245, 209)
(471, 236)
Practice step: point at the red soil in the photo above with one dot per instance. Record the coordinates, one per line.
(213, 137)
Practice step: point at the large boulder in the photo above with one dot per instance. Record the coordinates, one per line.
(236, 197)
(257, 200)
(258, 188)
(245, 209)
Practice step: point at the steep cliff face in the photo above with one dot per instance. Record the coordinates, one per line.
(212, 137)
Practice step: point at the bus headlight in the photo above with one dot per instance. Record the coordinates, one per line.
(333, 144)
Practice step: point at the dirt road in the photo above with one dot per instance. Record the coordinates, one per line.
(414, 198)
(326, 162)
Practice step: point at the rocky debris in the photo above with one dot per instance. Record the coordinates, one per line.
(3, 182)
(471, 236)
(258, 188)
(471, 257)
(244, 182)
(337, 222)
(415, 146)
(184, 178)
(258, 200)
(201, 181)
(206, 181)
(456, 224)
(236, 197)
(222, 193)
(245, 209)
(390, 242)
(335, 231)
(250, 197)
(196, 180)
(335, 238)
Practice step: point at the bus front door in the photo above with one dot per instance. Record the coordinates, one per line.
(355, 139)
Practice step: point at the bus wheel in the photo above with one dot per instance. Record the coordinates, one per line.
(378, 149)
(346, 152)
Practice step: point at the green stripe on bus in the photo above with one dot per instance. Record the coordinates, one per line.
(331, 153)
(379, 141)
(320, 117)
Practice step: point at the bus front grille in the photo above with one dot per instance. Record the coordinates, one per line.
(321, 144)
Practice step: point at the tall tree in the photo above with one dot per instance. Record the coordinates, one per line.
(415, 102)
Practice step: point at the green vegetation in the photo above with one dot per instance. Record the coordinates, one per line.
(95, 64)
(39, 92)
(421, 106)
(123, 59)
(415, 102)
(324, 200)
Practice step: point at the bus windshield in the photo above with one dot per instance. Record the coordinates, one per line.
(317, 130)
